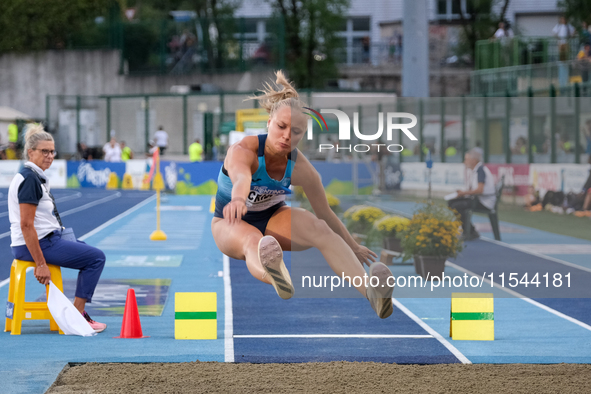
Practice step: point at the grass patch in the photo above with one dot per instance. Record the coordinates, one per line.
(569, 225)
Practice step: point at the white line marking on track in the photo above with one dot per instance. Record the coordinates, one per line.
(521, 296)
(5, 281)
(99, 228)
(228, 315)
(118, 217)
(335, 336)
(67, 198)
(91, 204)
(80, 208)
(554, 259)
(431, 331)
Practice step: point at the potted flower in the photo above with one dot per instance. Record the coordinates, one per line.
(359, 220)
(333, 202)
(432, 236)
(387, 228)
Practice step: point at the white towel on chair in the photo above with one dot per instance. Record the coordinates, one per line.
(65, 314)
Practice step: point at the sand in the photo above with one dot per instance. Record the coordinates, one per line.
(332, 377)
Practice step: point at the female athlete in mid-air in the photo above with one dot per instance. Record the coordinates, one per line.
(253, 223)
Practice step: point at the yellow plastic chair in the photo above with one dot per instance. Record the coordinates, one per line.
(22, 310)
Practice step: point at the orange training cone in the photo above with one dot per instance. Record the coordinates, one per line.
(131, 327)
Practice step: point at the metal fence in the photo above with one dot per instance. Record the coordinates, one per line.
(539, 77)
(508, 129)
(520, 50)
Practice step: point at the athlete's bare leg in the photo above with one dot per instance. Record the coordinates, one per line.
(240, 241)
(298, 229)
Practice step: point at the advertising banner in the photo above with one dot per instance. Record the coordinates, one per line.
(92, 173)
(516, 177)
(444, 176)
(56, 174)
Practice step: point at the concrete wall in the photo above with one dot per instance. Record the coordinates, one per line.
(444, 82)
(26, 79)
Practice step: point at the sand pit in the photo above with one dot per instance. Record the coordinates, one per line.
(333, 377)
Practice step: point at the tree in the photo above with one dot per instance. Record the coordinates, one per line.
(45, 24)
(480, 22)
(310, 39)
(218, 25)
(576, 10)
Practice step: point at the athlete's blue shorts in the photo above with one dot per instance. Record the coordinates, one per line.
(258, 219)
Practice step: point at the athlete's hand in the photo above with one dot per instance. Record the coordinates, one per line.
(234, 210)
(365, 255)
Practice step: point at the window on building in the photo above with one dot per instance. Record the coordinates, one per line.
(361, 24)
(450, 9)
(441, 7)
(250, 25)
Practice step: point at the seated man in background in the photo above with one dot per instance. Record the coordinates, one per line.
(481, 191)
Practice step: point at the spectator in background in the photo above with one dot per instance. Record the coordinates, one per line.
(151, 148)
(588, 137)
(196, 151)
(481, 190)
(11, 152)
(563, 31)
(2, 150)
(84, 152)
(12, 133)
(451, 150)
(503, 31)
(126, 152)
(365, 46)
(532, 198)
(112, 151)
(161, 139)
(585, 34)
(587, 191)
(215, 150)
(584, 58)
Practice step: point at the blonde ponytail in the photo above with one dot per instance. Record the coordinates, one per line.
(34, 133)
(283, 93)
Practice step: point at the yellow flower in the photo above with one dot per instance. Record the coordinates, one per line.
(332, 200)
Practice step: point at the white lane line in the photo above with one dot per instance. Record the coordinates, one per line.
(228, 315)
(99, 228)
(91, 204)
(334, 336)
(67, 198)
(524, 298)
(543, 256)
(78, 209)
(118, 217)
(5, 281)
(431, 331)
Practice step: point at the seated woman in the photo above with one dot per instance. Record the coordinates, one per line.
(253, 223)
(36, 227)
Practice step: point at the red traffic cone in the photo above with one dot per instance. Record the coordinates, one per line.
(131, 326)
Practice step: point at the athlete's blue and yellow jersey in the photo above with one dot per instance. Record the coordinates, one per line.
(265, 192)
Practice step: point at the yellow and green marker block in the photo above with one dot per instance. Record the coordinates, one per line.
(195, 316)
(472, 317)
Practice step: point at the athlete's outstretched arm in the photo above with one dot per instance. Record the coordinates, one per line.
(239, 162)
(305, 175)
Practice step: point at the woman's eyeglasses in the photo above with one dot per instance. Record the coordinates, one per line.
(47, 152)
